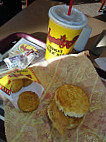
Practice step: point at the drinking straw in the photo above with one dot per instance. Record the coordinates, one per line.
(70, 6)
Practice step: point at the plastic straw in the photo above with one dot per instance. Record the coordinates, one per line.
(70, 7)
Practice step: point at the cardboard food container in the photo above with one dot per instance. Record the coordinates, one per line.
(7, 90)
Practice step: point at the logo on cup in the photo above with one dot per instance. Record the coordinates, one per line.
(62, 42)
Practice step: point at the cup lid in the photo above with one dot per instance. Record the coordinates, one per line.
(76, 19)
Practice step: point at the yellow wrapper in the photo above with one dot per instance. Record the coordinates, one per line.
(60, 40)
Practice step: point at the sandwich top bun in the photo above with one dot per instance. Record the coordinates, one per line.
(71, 100)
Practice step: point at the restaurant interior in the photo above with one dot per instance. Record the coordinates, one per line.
(31, 18)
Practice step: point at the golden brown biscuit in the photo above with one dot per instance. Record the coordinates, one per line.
(28, 101)
(59, 120)
(16, 85)
(26, 82)
(74, 122)
(72, 100)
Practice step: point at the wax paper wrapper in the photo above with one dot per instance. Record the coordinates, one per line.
(74, 69)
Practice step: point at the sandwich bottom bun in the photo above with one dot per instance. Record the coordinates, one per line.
(59, 120)
(72, 100)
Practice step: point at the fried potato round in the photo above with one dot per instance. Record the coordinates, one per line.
(59, 120)
(17, 84)
(71, 100)
(28, 101)
(26, 82)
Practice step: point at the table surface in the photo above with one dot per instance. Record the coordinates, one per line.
(34, 19)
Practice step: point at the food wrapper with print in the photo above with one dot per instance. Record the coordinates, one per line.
(24, 80)
(75, 69)
(20, 56)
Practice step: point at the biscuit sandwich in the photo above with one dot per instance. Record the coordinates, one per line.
(68, 107)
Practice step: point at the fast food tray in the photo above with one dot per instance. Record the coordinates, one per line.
(9, 41)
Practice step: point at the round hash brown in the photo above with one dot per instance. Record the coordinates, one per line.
(17, 84)
(72, 100)
(28, 101)
(26, 82)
